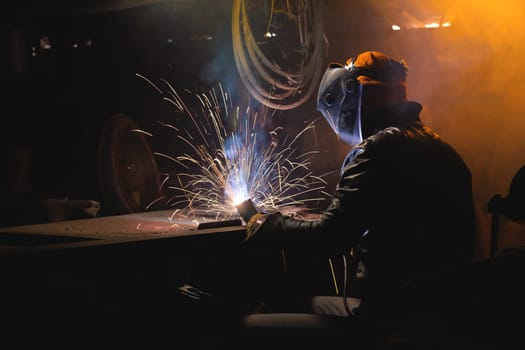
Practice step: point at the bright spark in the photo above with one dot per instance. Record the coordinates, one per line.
(233, 158)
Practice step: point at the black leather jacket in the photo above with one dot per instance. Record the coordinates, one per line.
(404, 199)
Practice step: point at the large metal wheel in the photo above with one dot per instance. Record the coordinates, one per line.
(128, 175)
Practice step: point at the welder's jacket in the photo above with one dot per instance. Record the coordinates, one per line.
(404, 199)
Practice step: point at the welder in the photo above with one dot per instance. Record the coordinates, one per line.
(401, 220)
(402, 211)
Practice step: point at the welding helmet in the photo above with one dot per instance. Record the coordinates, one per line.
(349, 94)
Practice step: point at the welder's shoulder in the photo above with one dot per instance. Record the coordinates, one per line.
(381, 141)
(385, 135)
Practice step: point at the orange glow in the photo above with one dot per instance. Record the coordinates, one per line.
(469, 74)
(474, 94)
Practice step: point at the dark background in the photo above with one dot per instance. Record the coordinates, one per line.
(469, 78)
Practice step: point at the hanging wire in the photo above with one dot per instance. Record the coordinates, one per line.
(269, 81)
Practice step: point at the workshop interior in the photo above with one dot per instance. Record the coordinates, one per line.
(140, 136)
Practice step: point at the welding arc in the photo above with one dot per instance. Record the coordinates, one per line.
(267, 81)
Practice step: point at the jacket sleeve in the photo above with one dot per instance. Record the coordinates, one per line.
(343, 222)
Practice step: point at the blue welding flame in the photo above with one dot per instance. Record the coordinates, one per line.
(237, 179)
(246, 161)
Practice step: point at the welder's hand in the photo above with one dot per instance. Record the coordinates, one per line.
(254, 223)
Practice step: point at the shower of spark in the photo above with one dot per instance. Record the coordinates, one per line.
(233, 158)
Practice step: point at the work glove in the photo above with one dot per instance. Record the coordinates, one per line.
(254, 223)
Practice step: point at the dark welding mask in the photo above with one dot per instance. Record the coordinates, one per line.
(367, 82)
(339, 101)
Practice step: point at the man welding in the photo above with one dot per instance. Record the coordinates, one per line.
(403, 205)
(401, 218)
